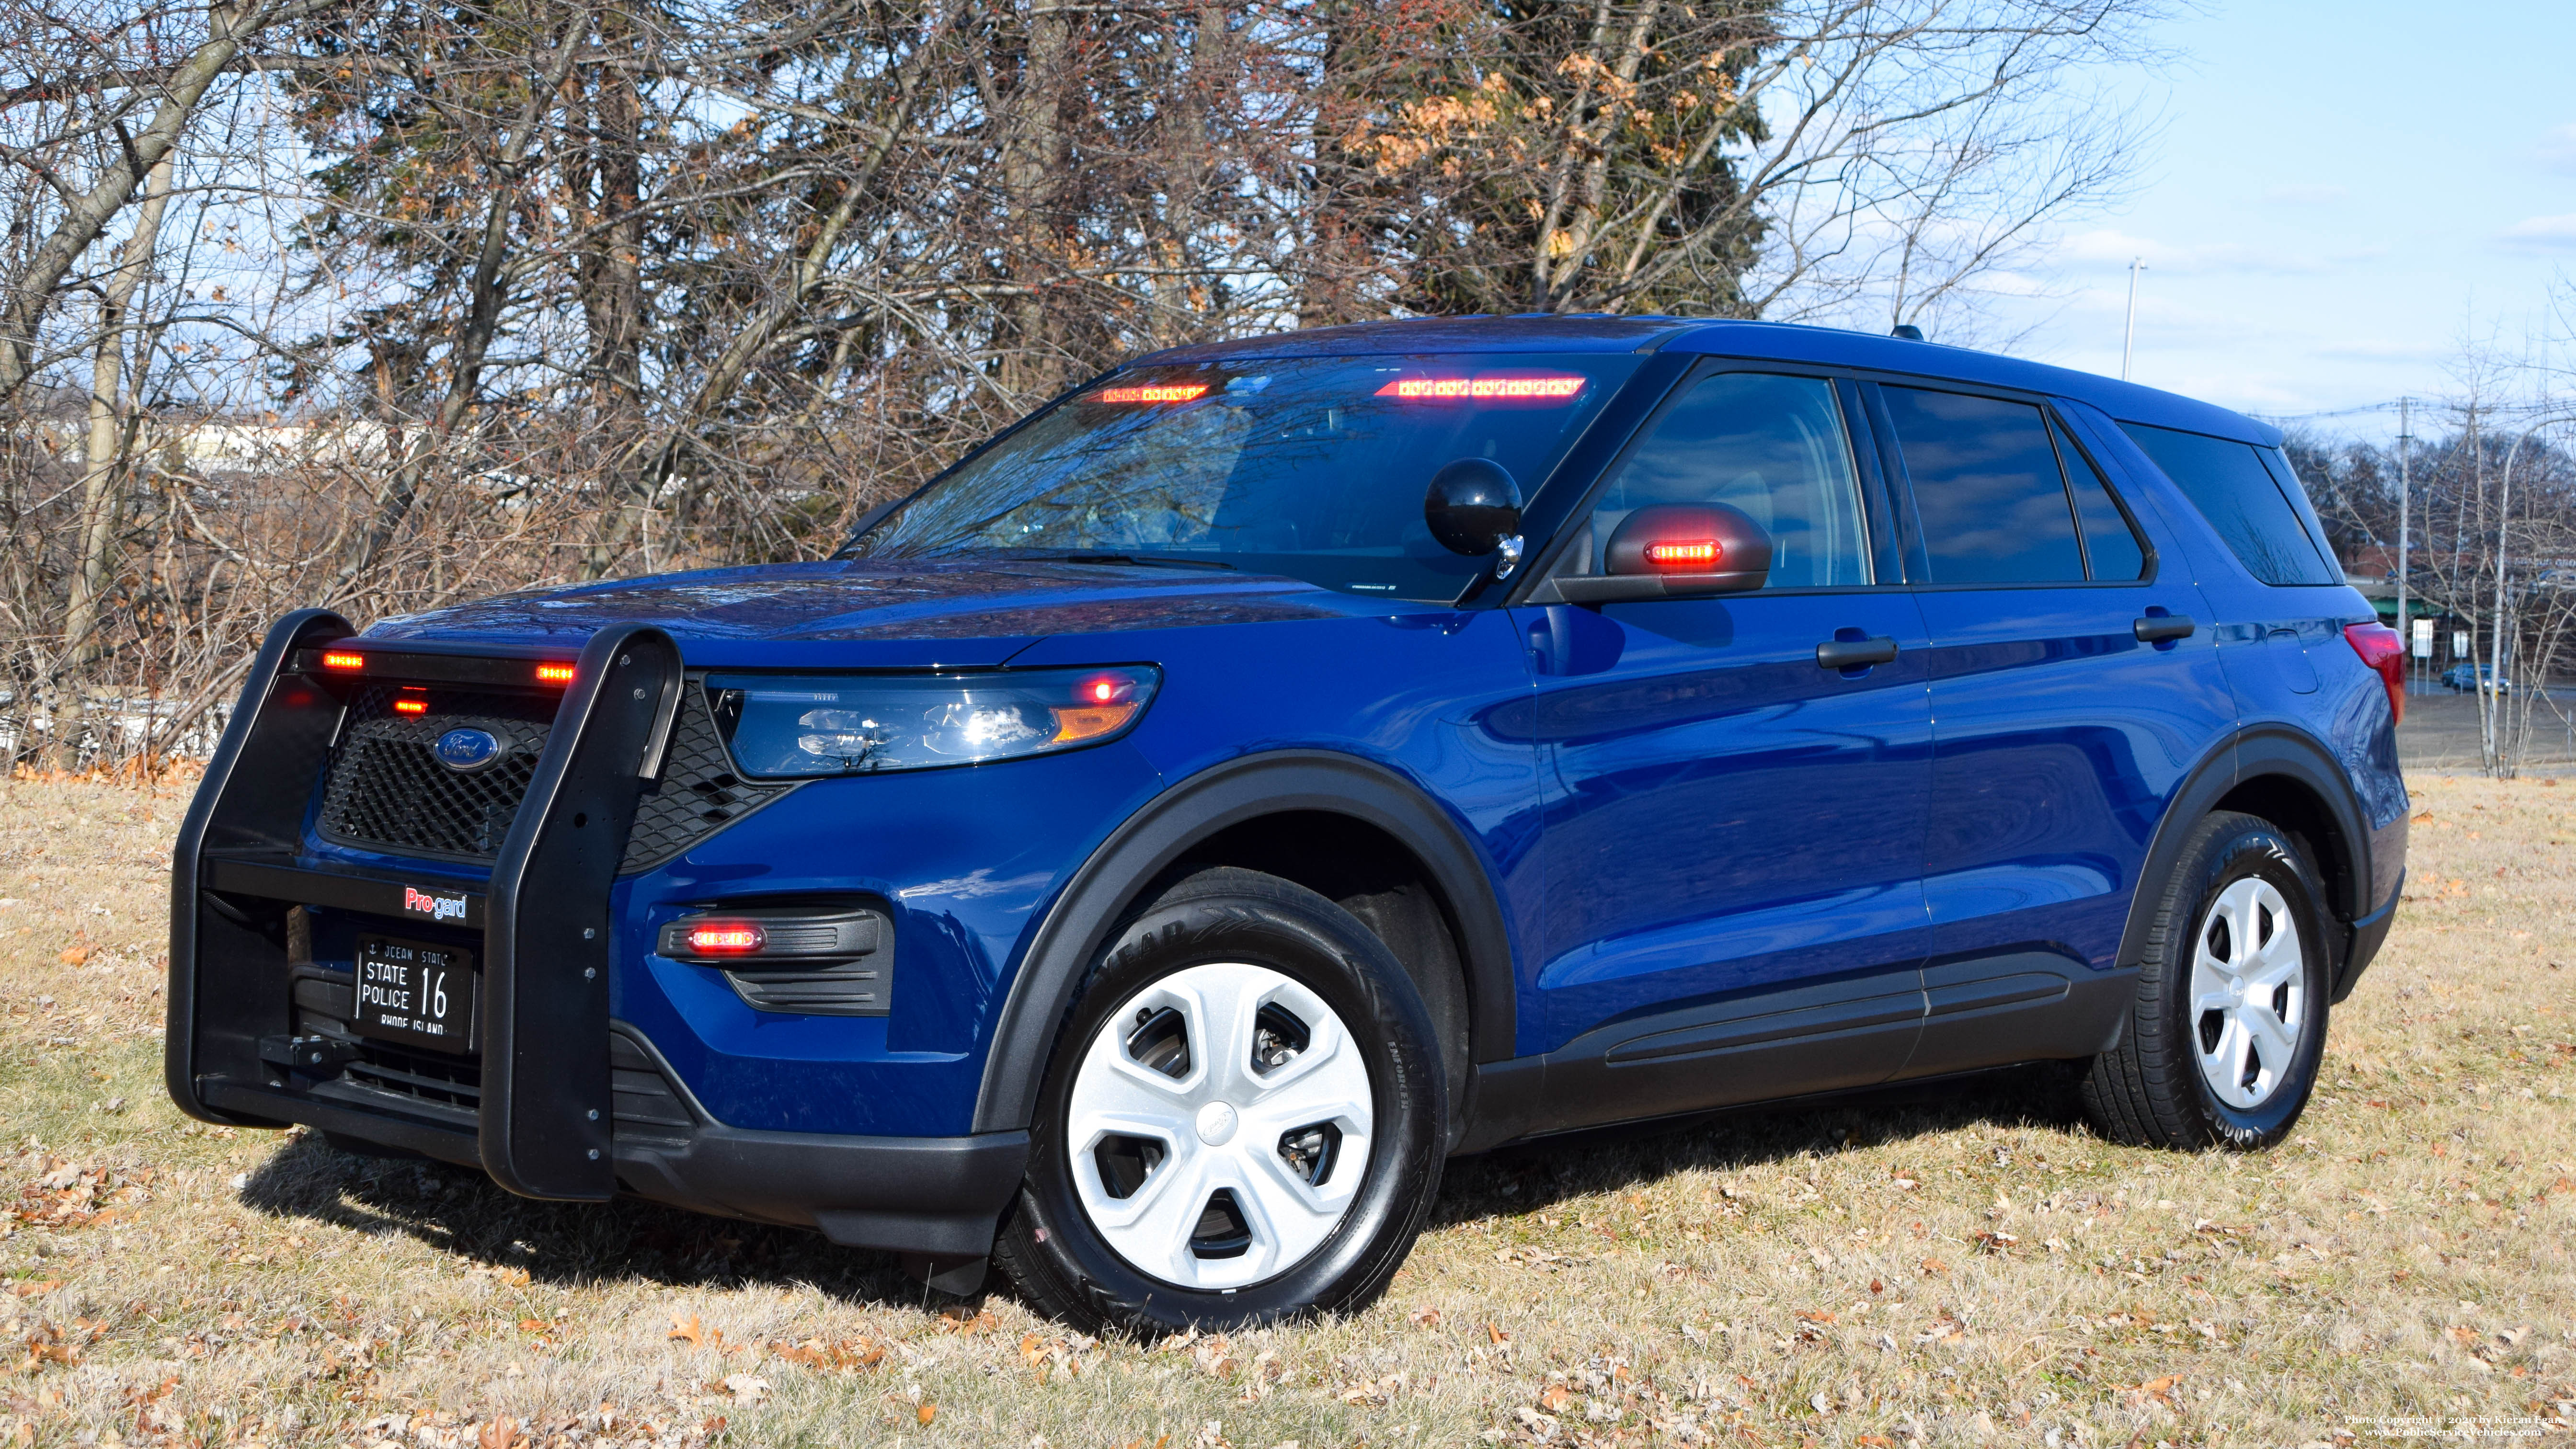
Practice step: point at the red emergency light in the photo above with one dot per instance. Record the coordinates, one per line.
(727, 938)
(1170, 392)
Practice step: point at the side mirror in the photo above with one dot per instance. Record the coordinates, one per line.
(1677, 550)
(1473, 507)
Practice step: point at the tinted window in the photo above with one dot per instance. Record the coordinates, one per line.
(1986, 487)
(1772, 446)
(1313, 468)
(2291, 488)
(2228, 483)
(2110, 545)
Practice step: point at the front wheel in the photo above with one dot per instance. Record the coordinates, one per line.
(2223, 1042)
(1242, 1121)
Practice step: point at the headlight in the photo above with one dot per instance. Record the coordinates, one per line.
(855, 724)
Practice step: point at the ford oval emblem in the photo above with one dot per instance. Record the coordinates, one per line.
(467, 749)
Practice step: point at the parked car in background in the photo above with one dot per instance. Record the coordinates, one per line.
(1147, 851)
(2464, 677)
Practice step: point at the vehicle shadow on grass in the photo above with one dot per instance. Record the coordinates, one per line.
(460, 1211)
(1517, 1179)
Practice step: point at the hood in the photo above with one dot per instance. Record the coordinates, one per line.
(966, 612)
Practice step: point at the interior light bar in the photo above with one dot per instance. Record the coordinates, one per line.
(1489, 388)
(343, 659)
(1170, 392)
(409, 705)
(554, 674)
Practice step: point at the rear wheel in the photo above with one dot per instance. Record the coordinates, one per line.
(2223, 1042)
(1243, 1119)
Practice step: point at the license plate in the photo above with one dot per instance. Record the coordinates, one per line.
(411, 991)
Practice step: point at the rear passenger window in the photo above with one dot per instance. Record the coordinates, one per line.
(2110, 544)
(1772, 446)
(1986, 488)
(2230, 486)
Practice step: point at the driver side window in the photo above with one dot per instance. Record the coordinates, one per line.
(1773, 446)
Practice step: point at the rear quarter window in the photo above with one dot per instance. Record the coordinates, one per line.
(2258, 513)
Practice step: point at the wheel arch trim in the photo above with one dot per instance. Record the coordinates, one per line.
(2249, 755)
(1158, 835)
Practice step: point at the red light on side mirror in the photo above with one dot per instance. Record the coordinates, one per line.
(554, 674)
(727, 938)
(342, 659)
(1697, 556)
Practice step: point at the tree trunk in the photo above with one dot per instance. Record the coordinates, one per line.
(102, 503)
(227, 28)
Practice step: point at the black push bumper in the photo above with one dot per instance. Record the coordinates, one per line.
(557, 1101)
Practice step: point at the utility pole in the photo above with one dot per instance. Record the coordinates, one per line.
(2129, 334)
(2405, 439)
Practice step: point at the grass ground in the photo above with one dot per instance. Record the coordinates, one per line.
(1964, 1268)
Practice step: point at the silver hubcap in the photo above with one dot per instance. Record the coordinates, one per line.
(1219, 1126)
(2247, 1008)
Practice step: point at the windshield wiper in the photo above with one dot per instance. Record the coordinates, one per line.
(1142, 560)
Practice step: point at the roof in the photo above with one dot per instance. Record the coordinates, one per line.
(1768, 341)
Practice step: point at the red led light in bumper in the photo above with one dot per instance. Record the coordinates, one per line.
(726, 938)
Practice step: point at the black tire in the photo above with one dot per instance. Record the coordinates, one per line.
(1062, 1266)
(2149, 1090)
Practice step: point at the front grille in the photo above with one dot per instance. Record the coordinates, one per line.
(698, 794)
(386, 789)
(389, 792)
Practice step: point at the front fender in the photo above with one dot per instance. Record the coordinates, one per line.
(1105, 887)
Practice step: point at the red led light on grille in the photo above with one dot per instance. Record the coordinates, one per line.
(1700, 552)
(727, 938)
(1487, 388)
(342, 659)
(1170, 392)
(554, 674)
(411, 706)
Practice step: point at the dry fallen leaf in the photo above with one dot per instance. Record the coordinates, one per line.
(1425, 1318)
(688, 1327)
(76, 956)
(1555, 1399)
(926, 1413)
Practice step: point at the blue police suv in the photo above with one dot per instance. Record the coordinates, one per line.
(1142, 856)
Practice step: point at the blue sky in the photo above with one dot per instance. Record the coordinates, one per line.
(2341, 196)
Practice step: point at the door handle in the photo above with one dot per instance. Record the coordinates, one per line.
(2157, 628)
(1855, 653)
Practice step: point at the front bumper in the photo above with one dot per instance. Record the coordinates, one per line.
(933, 1199)
(556, 1099)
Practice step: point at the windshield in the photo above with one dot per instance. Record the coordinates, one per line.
(1310, 467)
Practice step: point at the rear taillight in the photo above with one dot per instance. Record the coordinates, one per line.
(2380, 648)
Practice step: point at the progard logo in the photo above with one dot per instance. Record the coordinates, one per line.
(437, 908)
